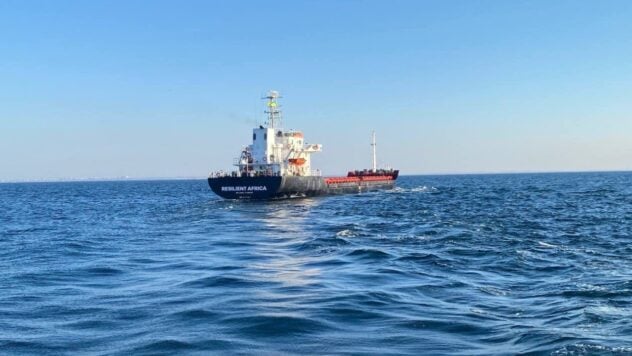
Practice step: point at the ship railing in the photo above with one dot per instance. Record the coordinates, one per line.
(220, 174)
(261, 174)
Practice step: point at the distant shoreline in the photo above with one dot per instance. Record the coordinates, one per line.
(105, 179)
(126, 179)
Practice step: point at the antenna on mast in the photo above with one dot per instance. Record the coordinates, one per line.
(373, 144)
(274, 111)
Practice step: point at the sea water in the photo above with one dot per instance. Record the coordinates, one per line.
(471, 264)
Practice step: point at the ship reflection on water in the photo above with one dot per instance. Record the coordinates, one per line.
(283, 227)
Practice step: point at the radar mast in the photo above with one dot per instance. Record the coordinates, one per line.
(373, 144)
(274, 109)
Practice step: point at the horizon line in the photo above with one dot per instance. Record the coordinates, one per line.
(127, 178)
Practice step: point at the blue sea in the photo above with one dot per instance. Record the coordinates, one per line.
(469, 264)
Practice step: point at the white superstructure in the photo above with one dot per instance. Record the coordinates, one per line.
(275, 151)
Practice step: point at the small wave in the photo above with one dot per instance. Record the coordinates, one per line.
(219, 281)
(22, 231)
(547, 245)
(606, 309)
(275, 324)
(419, 257)
(607, 314)
(592, 291)
(346, 233)
(30, 347)
(419, 189)
(526, 254)
(450, 326)
(164, 346)
(422, 189)
(196, 314)
(103, 271)
(90, 324)
(590, 349)
(369, 253)
(494, 291)
(345, 313)
(592, 287)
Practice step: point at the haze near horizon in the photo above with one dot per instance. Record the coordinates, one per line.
(172, 89)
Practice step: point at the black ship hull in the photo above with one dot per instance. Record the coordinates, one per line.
(275, 187)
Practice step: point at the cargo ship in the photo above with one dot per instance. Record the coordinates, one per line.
(277, 165)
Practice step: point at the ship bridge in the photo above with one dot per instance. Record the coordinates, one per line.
(275, 151)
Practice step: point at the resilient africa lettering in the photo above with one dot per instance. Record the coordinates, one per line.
(251, 188)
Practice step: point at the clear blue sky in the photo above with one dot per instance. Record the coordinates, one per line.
(172, 88)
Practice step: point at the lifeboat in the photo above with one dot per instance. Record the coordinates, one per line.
(297, 161)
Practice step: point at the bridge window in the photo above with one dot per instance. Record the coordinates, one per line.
(254, 136)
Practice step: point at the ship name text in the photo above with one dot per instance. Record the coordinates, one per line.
(243, 188)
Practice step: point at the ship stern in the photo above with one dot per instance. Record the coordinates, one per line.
(229, 187)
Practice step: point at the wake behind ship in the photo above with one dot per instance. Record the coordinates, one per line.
(277, 165)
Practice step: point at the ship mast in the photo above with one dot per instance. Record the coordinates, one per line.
(373, 144)
(274, 112)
